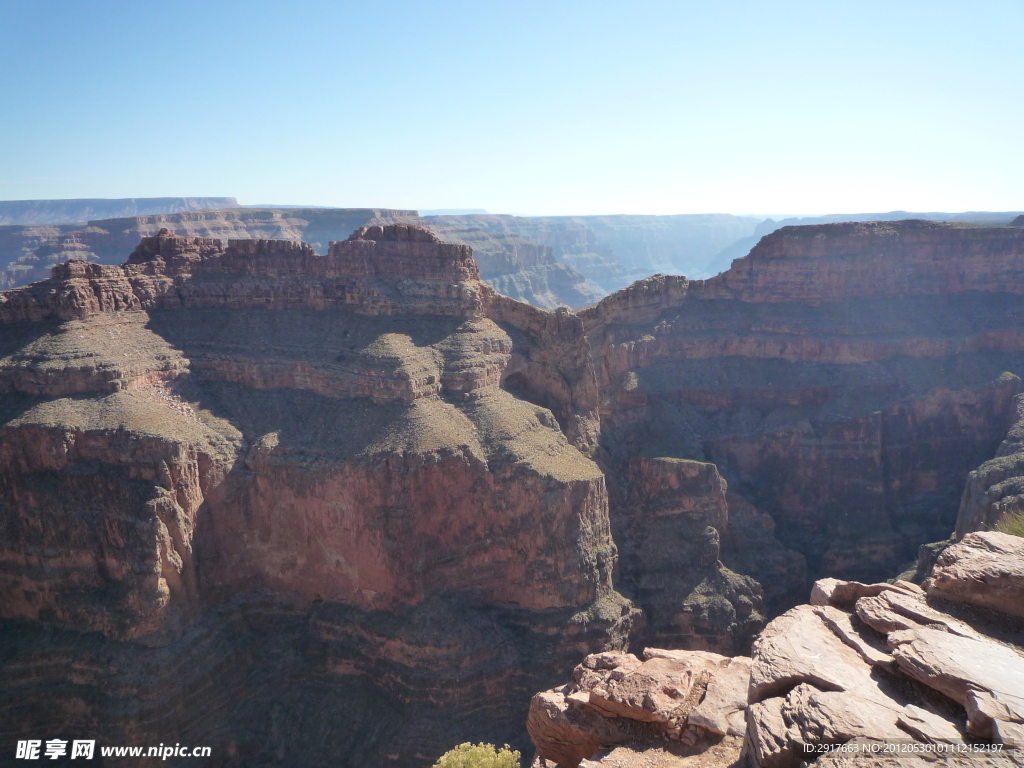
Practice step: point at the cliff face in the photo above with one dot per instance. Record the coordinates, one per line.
(996, 488)
(222, 452)
(78, 210)
(513, 265)
(844, 379)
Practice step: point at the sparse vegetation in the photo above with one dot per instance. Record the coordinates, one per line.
(1011, 523)
(479, 756)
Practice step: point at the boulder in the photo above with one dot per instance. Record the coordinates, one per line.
(985, 568)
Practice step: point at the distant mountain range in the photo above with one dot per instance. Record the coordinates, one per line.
(86, 209)
(543, 260)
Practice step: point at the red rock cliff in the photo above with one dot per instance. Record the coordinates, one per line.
(205, 430)
(845, 378)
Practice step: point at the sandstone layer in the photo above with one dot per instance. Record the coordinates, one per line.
(230, 471)
(844, 379)
(865, 673)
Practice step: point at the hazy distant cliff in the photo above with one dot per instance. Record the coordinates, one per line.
(518, 267)
(78, 210)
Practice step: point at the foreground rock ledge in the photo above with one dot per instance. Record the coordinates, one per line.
(889, 665)
(680, 702)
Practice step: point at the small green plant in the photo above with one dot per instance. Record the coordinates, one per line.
(479, 756)
(1011, 523)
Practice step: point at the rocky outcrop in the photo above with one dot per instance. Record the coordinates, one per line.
(513, 265)
(107, 241)
(685, 702)
(902, 669)
(866, 670)
(669, 531)
(405, 270)
(996, 488)
(844, 379)
(218, 452)
(984, 569)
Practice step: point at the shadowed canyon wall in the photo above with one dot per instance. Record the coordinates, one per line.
(843, 378)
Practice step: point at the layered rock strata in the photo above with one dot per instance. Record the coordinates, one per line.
(904, 667)
(884, 669)
(513, 265)
(844, 379)
(295, 472)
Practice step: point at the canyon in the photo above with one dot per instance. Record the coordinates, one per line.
(323, 501)
(515, 266)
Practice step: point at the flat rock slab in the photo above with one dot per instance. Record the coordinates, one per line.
(799, 647)
(985, 568)
(985, 676)
(895, 611)
(843, 594)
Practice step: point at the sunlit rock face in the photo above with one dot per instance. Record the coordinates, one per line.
(213, 453)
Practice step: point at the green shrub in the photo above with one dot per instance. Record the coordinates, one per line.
(478, 756)
(1011, 523)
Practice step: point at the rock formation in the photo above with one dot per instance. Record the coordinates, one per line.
(928, 674)
(844, 379)
(515, 266)
(996, 488)
(677, 703)
(212, 454)
(106, 241)
(355, 493)
(29, 212)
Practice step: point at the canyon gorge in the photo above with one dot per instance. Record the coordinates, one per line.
(328, 498)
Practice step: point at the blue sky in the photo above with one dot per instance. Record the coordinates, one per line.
(520, 107)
